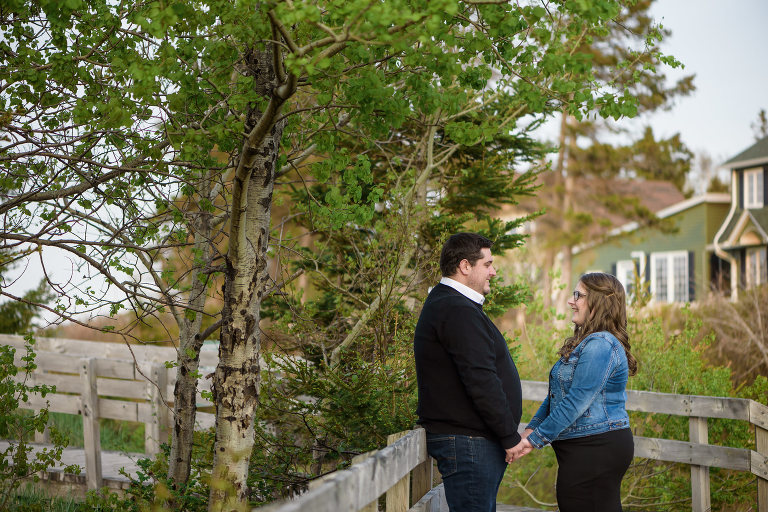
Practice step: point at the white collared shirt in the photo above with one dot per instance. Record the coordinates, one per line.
(464, 290)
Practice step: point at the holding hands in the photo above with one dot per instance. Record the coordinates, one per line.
(521, 449)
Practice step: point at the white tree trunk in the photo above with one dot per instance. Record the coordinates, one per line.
(236, 380)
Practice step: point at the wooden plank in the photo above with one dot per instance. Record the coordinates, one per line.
(690, 453)
(758, 414)
(69, 404)
(688, 405)
(397, 496)
(90, 411)
(119, 409)
(116, 368)
(57, 363)
(433, 501)
(156, 430)
(700, 495)
(204, 420)
(133, 389)
(534, 390)
(680, 405)
(761, 442)
(353, 488)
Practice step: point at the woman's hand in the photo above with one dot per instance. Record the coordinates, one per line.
(520, 450)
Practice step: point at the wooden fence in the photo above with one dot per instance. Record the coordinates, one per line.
(107, 380)
(390, 470)
(103, 380)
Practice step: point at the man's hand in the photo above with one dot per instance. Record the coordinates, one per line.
(518, 451)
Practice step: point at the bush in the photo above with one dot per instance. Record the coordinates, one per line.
(18, 461)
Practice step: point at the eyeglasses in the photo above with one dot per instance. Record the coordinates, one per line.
(577, 295)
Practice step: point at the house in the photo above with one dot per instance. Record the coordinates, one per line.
(676, 260)
(743, 236)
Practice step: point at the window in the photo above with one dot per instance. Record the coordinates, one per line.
(757, 267)
(625, 273)
(669, 276)
(754, 188)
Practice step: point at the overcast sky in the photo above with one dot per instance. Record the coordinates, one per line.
(725, 44)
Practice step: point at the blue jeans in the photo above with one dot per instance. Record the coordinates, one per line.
(472, 468)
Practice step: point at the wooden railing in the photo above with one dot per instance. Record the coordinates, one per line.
(389, 470)
(103, 380)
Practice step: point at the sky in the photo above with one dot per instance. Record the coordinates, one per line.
(725, 44)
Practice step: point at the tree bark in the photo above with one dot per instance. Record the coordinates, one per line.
(236, 379)
(188, 358)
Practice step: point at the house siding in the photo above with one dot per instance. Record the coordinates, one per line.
(696, 228)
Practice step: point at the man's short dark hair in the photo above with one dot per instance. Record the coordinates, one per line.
(462, 246)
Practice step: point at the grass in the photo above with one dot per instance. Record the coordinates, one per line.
(116, 435)
(28, 498)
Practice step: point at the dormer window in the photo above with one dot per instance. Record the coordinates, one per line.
(754, 188)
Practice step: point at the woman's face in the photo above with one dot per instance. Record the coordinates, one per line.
(578, 304)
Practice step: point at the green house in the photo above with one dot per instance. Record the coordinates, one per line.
(679, 265)
(742, 239)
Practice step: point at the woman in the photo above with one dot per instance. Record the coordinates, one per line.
(584, 415)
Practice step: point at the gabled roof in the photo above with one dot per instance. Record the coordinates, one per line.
(755, 154)
(739, 222)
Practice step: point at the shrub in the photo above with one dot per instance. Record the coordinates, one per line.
(18, 461)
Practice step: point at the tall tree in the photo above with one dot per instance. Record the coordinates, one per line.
(582, 150)
(136, 130)
(760, 126)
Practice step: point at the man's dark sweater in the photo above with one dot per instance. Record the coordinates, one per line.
(468, 383)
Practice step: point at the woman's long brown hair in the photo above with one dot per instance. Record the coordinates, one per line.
(607, 304)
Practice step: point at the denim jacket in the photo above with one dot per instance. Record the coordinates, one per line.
(587, 393)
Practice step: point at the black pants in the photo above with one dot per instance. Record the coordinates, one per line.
(590, 470)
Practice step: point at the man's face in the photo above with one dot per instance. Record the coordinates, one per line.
(480, 274)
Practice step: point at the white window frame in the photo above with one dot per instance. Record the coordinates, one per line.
(667, 260)
(756, 266)
(626, 270)
(754, 188)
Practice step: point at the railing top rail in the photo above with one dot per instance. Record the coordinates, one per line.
(680, 405)
(356, 487)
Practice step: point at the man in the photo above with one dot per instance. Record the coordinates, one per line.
(470, 399)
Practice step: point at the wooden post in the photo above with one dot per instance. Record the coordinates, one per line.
(156, 432)
(421, 483)
(397, 496)
(697, 428)
(89, 400)
(761, 440)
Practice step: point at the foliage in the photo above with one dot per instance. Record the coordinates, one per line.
(760, 126)
(17, 316)
(590, 155)
(18, 461)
